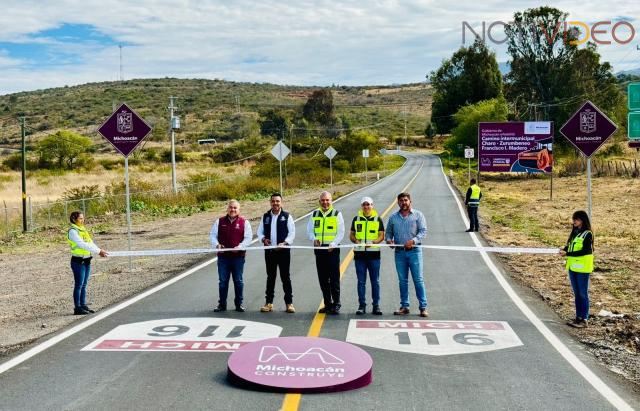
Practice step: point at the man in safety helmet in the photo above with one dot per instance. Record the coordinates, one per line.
(367, 229)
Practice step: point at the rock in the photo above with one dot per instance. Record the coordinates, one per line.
(43, 325)
(609, 314)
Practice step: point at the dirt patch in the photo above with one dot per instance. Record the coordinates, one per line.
(519, 212)
(36, 280)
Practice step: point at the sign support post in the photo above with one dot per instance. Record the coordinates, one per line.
(280, 151)
(125, 130)
(330, 153)
(128, 207)
(588, 129)
(589, 187)
(281, 186)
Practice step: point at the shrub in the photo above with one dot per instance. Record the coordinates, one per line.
(78, 193)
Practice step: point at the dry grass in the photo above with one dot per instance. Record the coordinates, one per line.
(43, 186)
(518, 212)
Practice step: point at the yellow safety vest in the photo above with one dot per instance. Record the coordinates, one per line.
(76, 251)
(474, 199)
(325, 225)
(584, 263)
(367, 230)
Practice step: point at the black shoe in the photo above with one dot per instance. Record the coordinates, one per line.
(361, 309)
(468, 231)
(335, 310)
(326, 309)
(240, 308)
(80, 311)
(476, 230)
(376, 310)
(86, 308)
(220, 308)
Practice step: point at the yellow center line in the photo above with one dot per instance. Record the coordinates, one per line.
(291, 401)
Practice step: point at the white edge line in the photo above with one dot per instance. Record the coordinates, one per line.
(562, 349)
(108, 312)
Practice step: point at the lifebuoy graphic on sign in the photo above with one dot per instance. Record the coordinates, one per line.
(184, 334)
(433, 337)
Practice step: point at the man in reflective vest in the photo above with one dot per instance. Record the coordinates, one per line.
(472, 200)
(367, 228)
(326, 229)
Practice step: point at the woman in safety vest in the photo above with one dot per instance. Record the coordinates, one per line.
(81, 248)
(579, 253)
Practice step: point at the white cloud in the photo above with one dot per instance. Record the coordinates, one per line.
(302, 42)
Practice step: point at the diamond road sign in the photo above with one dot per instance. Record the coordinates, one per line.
(330, 153)
(588, 129)
(280, 151)
(124, 129)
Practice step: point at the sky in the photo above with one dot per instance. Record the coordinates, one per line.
(47, 44)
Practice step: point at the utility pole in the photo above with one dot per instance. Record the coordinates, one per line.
(121, 75)
(237, 104)
(23, 133)
(174, 182)
(404, 114)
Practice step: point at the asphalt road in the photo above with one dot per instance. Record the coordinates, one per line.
(461, 287)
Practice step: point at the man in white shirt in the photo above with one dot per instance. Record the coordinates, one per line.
(277, 228)
(326, 229)
(231, 231)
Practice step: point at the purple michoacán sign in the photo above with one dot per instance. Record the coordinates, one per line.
(525, 147)
(124, 129)
(588, 129)
(301, 365)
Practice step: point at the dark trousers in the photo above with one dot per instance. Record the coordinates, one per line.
(273, 260)
(474, 224)
(328, 267)
(230, 267)
(81, 268)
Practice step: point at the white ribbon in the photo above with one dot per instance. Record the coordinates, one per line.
(500, 250)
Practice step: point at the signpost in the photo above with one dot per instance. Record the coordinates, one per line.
(516, 147)
(280, 151)
(125, 130)
(588, 129)
(365, 155)
(633, 103)
(330, 153)
(469, 154)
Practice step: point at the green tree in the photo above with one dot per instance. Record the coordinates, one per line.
(319, 108)
(430, 131)
(471, 75)
(274, 123)
(62, 148)
(350, 148)
(468, 117)
(550, 76)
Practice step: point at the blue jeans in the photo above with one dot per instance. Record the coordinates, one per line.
(230, 267)
(373, 266)
(410, 260)
(580, 285)
(81, 271)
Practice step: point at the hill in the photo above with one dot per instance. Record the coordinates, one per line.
(208, 108)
